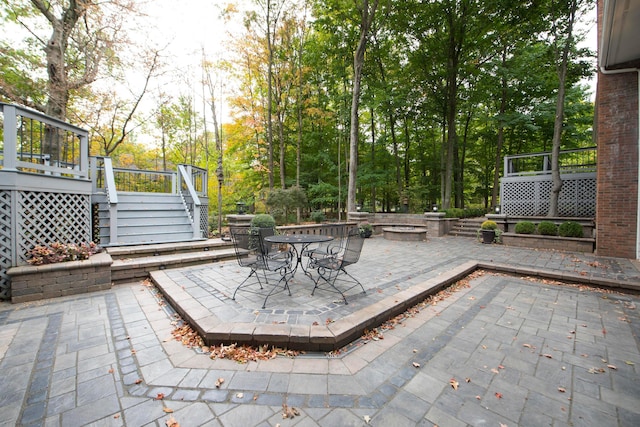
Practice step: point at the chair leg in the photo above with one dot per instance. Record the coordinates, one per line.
(273, 289)
(355, 280)
(245, 280)
(331, 281)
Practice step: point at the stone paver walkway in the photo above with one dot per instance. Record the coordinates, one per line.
(506, 350)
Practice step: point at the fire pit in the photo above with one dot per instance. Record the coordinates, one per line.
(405, 234)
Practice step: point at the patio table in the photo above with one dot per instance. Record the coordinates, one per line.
(304, 240)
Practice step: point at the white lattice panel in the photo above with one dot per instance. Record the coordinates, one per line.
(204, 220)
(5, 242)
(52, 217)
(520, 197)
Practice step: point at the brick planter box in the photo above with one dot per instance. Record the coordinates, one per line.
(535, 241)
(35, 282)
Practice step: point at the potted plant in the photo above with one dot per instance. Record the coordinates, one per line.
(365, 229)
(488, 231)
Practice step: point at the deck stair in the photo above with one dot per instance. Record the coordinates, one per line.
(131, 263)
(146, 218)
(467, 227)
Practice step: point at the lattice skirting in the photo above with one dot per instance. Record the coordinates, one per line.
(204, 220)
(5, 242)
(39, 218)
(531, 198)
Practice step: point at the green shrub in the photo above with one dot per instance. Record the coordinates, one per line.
(463, 213)
(454, 213)
(525, 227)
(317, 216)
(489, 225)
(547, 228)
(570, 229)
(263, 221)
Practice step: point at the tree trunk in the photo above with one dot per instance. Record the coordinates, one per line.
(270, 97)
(368, 13)
(559, 118)
(500, 138)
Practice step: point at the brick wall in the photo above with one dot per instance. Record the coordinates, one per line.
(31, 283)
(617, 177)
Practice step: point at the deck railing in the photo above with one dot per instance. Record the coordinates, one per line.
(35, 143)
(580, 160)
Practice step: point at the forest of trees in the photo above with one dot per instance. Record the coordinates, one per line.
(444, 90)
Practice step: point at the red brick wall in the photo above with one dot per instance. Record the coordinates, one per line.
(617, 177)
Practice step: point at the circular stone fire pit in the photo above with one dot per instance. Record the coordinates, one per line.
(405, 234)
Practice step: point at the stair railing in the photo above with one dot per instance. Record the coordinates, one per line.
(103, 178)
(185, 175)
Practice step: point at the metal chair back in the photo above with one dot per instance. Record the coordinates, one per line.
(244, 247)
(352, 249)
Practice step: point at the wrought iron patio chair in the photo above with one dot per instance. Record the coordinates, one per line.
(272, 250)
(252, 253)
(324, 249)
(331, 268)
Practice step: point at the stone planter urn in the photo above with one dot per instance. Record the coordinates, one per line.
(488, 236)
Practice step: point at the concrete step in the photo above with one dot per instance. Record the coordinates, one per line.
(467, 227)
(131, 263)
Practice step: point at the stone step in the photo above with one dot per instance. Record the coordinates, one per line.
(131, 263)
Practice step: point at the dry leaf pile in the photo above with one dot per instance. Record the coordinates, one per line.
(245, 353)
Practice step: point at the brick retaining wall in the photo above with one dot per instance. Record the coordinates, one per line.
(35, 282)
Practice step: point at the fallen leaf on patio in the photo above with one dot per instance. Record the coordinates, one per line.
(628, 362)
(219, 382)
(289, 412)
(171, 422)
(500, 367)
(478, 397)
(596, 371)
(367, 419)
(240, 395)
(562, 389)
(495, 371)
(160, 396)
(255, 397)
(116, 416)
(328, 321)
(503, 425)
(256, 312)
(499, 395)
(604, 331)
(315, 324)
(484, 347)
(612, 367)
(467, 380)
(548, 356)
(167, 410)
(138, 381)
(528, 345)
(416, 364)
(454, 383)
(472, 298)
(415, 350)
